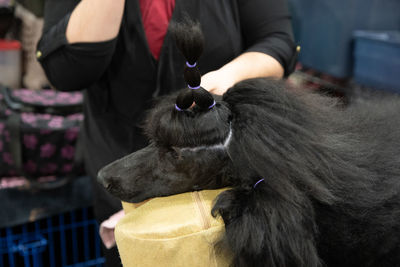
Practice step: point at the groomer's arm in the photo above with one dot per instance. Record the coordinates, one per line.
(248, 65)
(78, 40)
(269, 46)
(95, 21)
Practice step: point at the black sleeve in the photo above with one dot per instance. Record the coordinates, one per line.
(70, 66)
(267, 28)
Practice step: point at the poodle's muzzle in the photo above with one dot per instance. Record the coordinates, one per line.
(157, 171)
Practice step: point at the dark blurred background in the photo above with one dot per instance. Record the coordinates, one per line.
(345, 41)
(347, 48)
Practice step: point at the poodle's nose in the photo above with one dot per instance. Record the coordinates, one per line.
(102, 178)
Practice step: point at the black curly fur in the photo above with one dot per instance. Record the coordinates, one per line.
(331, 194)
(331, 189)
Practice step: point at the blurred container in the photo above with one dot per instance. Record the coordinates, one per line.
(10, 63)
(6, 17)
(65, 240)
(377, 59)
(324, 29)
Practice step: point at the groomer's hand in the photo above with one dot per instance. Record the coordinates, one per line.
(217, 82)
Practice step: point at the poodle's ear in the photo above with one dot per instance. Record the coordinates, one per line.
(263, 229)
(270, 223)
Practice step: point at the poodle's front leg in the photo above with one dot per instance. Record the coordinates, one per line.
(265, 229)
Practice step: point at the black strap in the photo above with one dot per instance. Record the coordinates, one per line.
(20, 106)
(13, 125)
(8, 99)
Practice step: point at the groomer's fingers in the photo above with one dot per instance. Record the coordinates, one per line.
(216, 82)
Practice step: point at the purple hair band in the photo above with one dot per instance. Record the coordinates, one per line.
(190, 65)
(194, 88)
(213, 104)
(254, 186)
(177, 108)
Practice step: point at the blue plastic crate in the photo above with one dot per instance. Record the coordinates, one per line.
(324, 29)
(377, 59)
(66, 240)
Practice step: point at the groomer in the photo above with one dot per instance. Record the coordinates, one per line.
(122, 54)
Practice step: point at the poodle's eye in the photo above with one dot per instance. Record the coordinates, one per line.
(175, 152)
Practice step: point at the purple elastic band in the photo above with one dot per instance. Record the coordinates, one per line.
(254, 186)
(210, 107)
(194, 88)
(191, 66)
(177, 108)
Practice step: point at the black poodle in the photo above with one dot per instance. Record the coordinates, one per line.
(313, 183)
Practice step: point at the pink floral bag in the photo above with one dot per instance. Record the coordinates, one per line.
(39, 132)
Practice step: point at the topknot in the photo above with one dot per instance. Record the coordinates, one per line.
(190, 41)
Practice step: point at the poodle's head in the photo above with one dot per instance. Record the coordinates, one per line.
(257, 130)
(187, 152)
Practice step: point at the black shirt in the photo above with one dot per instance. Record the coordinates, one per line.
(121, 76)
